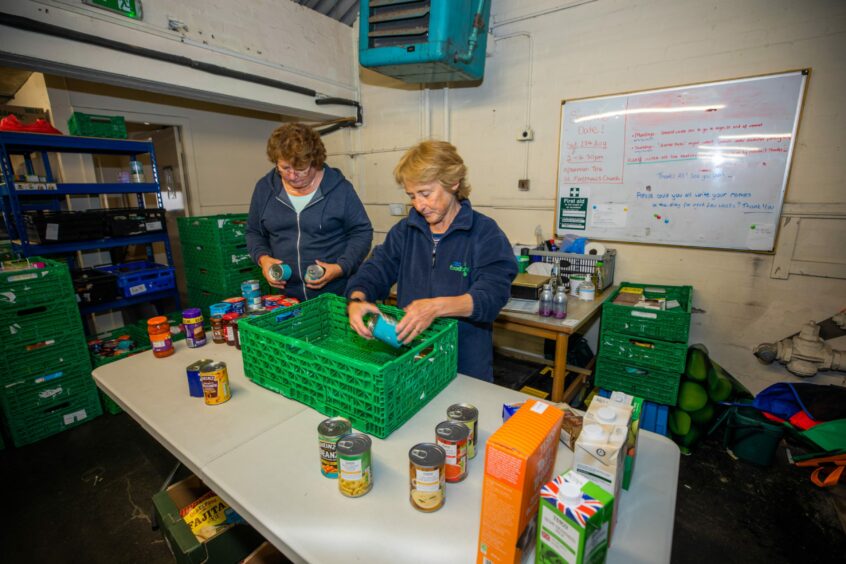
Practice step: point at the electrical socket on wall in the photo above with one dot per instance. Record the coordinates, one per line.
(526, 134)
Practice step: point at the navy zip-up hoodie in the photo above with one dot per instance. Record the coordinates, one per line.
(333, 228)
(473, 257)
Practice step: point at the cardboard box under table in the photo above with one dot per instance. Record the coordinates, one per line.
(229, 545)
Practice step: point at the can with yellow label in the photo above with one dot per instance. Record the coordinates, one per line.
(215, 381)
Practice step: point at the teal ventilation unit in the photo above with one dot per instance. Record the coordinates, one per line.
(424, 40)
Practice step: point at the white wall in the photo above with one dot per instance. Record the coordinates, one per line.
(274, 39)
(611, 46)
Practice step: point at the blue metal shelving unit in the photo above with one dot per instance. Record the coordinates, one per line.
(20, 197)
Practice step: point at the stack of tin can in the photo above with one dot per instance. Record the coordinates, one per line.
(251, 291)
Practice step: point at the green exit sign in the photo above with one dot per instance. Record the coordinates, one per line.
(128, 8)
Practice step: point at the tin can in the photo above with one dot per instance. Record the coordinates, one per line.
(238, 305)
(279, 271)
(192, 320)
(328, 433)
(314, 272)
(215, 380)
(452, 437)
(249, 287)
(272, 300)
(384, 328)
(195, 386)
(219, 309)
(229, 328)
(355, 473)
(467, 415)
(426, 477)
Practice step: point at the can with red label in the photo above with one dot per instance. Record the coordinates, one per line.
(452, 437)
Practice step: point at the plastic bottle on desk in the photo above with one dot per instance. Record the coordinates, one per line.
(545, 306)
(599, 276)
(559, 304)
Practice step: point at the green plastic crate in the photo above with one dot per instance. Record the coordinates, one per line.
(109, 405)
(32, 287)
(40, 324)
(91, 125)
(224, 280)
(650, 384)
(642, 351)
(34, 426)
(666, 325)
(45, 357)
(223, 256)
(197, 297)
(217, 229)
(28, 394)
(135, 332)
(309, 353)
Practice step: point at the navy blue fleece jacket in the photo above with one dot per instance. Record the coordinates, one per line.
(473, 257)
(333, 228)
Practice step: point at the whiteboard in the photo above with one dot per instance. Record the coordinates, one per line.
(701, 166)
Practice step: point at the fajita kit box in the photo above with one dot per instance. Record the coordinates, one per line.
(573, 521)
(519, 458)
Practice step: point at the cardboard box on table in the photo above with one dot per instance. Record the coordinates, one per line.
(519, 458)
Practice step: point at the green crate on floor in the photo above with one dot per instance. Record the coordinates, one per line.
(666, 325)
(45, 357)
(642, 351)
(109, 405)
(221, 228)
(309, 353)
(224, 280)
(33, 326)
(22, 287)
(648, 383)
(33, 394)
(231, 255)
(133, 332)
(31, 427)
(91, 125)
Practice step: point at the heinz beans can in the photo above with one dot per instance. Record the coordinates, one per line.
(329, 432)
(215, 380)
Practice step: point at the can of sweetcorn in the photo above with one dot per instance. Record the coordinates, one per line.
(355, 473)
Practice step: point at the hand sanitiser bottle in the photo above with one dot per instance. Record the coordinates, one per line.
(545, 306)
(559, 304)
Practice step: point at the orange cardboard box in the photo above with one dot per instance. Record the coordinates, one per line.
(519, 459)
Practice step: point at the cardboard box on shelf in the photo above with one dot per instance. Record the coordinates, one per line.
(519, 458)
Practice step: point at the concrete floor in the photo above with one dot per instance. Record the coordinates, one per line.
(84, 496)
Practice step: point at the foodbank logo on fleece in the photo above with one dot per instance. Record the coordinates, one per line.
(456, 266)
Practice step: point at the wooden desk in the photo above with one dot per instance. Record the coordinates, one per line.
(558, 331)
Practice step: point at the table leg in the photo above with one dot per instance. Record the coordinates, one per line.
(559, 371)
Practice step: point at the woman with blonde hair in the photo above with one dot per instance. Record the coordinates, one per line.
(446, 259)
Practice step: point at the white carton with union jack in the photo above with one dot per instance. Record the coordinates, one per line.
(573, 521)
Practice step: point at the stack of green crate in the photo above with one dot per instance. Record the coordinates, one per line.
(47, 385)
(214, 252)
(642, 351)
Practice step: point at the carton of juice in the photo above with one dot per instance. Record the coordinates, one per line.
(519, 458)
(634, 428)
(573, 521)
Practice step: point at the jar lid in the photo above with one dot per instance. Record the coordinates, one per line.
(158, 320)
(192, 312)
(231, 315)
